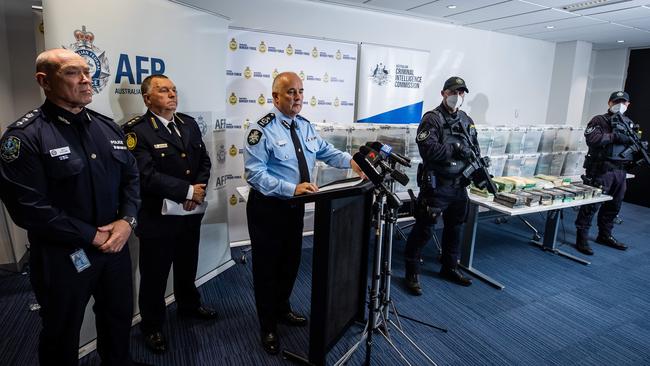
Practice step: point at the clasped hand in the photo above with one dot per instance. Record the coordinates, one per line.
(111, 238)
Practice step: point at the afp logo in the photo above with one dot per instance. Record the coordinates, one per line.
(220, 124)
(95, 57)
(220, 182)
(125, 70)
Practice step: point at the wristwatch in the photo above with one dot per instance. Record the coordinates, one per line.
(131, 221)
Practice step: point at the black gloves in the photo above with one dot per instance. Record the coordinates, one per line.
(462, 151)
(621, 138)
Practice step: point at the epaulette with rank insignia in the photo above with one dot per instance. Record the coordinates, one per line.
(25, 120)
(99, 115)
(108, 120)
(303, 118)
(266, 119)
(183, 117)
(133, 121)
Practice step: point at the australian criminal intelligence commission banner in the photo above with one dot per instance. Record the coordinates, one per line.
(328, 70)
(391, 84)
(121, 56)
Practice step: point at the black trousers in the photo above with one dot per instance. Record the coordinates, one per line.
(275, 228)
(453, 202)
(157, 254)
(63, 295)
(613, 183)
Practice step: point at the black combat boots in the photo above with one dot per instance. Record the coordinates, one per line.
(582, 243)
(412, 282)
(610, 241)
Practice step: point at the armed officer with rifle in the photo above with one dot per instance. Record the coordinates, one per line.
(614, 147)
(451, 158)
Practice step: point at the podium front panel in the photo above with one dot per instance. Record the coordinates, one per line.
(341, 234)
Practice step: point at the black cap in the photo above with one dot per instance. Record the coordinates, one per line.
(617, 95)
(454, 83)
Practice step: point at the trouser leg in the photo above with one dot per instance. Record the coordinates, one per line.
(155, 263)
(113, 308)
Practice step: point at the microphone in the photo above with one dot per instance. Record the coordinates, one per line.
(376, 158)
(387, 151)
(400, 177)
(367, 167)
(371, 154)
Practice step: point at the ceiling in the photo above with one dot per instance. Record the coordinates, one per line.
(604, 23)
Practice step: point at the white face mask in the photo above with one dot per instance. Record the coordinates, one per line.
(454, 101)
(618, 108)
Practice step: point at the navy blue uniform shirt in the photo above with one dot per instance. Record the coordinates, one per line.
(63, 175)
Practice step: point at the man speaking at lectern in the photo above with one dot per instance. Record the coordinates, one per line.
(281, 150)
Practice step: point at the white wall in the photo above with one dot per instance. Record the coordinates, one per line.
(569, 83)
(508, 77)
(19, 93)
(6, 97)
(607, 74)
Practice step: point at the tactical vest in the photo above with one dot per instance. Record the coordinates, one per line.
(600, 159)
(453, 168)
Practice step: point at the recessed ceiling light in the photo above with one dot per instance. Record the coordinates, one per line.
(550, 26)
(620, 41)
(451, 6)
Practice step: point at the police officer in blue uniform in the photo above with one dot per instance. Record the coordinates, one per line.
(281, 150)
(605, 168)
(442, 185)
(174, 165)
(69, 180)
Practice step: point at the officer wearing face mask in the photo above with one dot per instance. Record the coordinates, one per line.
(605, 167)
(445, 155)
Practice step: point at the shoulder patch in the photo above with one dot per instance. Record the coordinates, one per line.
(303, 118)
(254, 137)
(266, 120)
(25, 120)
(10, 149)
(589, 130)
(131, 140)
(423, 136)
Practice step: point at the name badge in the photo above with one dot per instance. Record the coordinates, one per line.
(60, 151)
(160, 146)
(80, 260)
(282, 142)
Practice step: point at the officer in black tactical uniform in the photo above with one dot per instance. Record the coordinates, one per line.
(445, 152)
(69, 180)
(605, 167)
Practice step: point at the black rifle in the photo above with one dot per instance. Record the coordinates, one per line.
(476, 171)
(638, 148)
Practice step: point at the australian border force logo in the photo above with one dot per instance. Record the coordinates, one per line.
(96, 58)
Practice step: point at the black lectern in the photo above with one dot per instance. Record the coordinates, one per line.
(339, 274)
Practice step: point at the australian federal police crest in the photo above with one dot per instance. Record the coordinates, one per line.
(203, 126)
(96, 58)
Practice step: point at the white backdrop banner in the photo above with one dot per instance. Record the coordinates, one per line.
(328, 70)
(188, 49)
(391, 84)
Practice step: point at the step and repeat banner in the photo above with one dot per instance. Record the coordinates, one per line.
(124, 42)
(391, 84)
(328, 70)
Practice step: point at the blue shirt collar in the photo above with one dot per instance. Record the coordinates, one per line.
(282, 117)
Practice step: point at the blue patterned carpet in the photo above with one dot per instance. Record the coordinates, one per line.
(553, 311)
